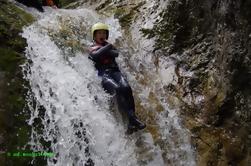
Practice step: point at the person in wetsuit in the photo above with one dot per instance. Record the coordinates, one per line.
(38, 4)
(103, 54)
(52, 3)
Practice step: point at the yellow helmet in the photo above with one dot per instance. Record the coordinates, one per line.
(100, 26)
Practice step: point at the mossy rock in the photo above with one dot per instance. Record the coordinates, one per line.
(9, 59)
(14, 16)
(126, 14)
(13, 126)
(64, 3)
(12, 20)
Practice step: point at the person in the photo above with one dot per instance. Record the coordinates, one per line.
(51, 3)
(103, 54)
(32, 3)
(38, 4)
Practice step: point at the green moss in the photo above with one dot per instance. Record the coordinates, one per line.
(126, 14)
(64, 3)
(104, 4)
(119, 12)
(126, 19)
(13, 126)
(179, 26)
(11, 43)
(12, 20)
(149, 33)
(13, 16)
(9, 59)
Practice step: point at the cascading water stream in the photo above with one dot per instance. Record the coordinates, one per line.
(78, 127)
(75, 113)
(153, 73)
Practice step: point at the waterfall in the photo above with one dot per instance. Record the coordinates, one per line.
(71, 113)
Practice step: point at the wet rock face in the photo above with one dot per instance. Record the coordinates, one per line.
(210, 38)
(66, 2)
(13, 132)
(213, 40)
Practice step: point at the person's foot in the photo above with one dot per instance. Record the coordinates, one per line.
(135, 125)
(140, 125)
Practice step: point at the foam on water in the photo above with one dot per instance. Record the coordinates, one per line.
(76, 118)
(74, 112)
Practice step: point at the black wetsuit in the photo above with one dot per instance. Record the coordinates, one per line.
(33, 3)
(38, 4)
(113, 81)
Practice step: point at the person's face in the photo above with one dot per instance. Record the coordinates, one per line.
(100, 36)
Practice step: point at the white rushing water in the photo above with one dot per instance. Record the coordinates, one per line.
(77, 120)
(67, 87)
(158, 71)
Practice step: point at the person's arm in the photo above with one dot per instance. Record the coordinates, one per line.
(96, 54)
(114, 53)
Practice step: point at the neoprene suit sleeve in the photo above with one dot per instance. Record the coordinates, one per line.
(96, 54)
(114, 53)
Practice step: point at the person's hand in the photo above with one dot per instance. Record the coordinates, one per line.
(94, 48)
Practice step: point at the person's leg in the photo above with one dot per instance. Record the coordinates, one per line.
(124, 94)
(109, 84)
(114, 83)
(126, 101)
(38, 5)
